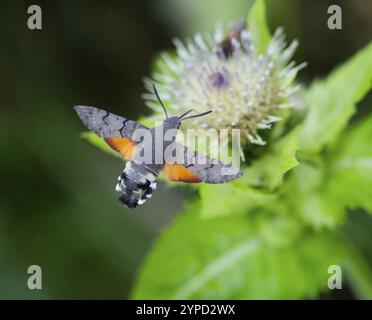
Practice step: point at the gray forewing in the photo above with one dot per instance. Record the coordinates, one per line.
(106, 124)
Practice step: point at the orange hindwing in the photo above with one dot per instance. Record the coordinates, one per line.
(124, 146)
(177, 172)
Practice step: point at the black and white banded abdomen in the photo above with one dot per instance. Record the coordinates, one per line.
(136, 184)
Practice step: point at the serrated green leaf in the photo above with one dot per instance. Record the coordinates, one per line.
(277, 226)
(350, 168)
(331, 101)
(318, 210)
(321, 191)
(231, 198)
(226, 258)
(268, 171)
(256, 22)
(306, 194)
(99, 143)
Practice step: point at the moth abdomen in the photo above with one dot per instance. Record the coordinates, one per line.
(136, 184)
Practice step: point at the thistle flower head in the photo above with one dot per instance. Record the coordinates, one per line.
(242, 87)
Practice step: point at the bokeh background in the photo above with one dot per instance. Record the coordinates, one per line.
(58, 207)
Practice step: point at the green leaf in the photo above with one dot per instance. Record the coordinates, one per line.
(231, 198)
(357, 230)
(256, 22)
(99, 143)
(227, 258)
(321, 191)
(332, 101)
(268, 171)
(319, 211)
(358, 273)
(350, 168)
(305, 193)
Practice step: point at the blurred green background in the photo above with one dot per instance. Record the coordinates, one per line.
(58, 207)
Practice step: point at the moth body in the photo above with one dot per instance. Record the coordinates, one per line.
(136, 184)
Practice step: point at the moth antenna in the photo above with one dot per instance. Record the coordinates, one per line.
(157, 97)
(198, 115)
(187, 112)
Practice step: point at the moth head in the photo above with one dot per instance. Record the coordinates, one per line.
(175, 122)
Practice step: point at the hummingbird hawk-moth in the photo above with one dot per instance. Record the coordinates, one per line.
(138, 180)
